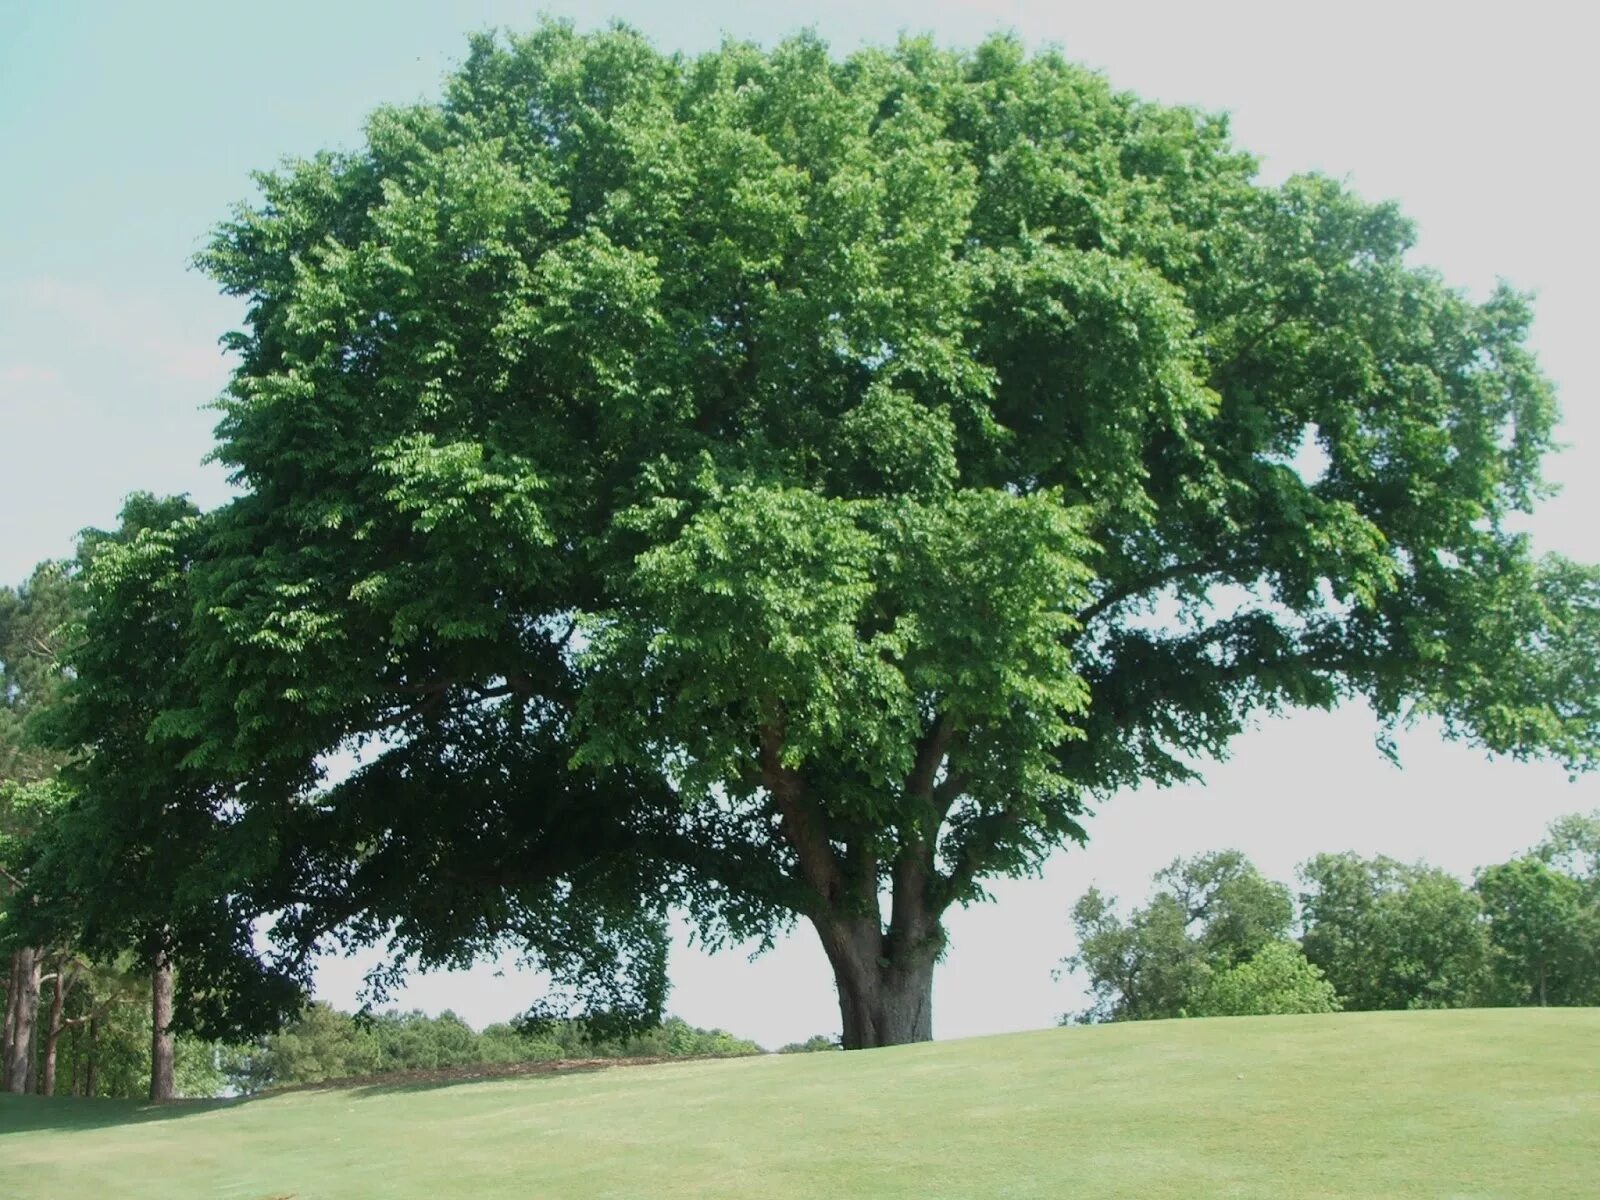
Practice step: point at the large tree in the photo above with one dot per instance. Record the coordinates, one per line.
(792, 488)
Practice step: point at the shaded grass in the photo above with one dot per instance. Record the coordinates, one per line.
(1465, 1105)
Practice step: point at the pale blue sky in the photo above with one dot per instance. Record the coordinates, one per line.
(127, 130)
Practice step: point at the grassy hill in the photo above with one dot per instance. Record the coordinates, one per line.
(1496, 1103)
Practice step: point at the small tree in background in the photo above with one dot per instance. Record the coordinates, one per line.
(1210, 917)
(1542, 932)
(1392, 935)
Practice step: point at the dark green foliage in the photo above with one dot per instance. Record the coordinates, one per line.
(815, 1044)
(144, 853)
(743, 483)
(1544, 934)
(1392, 935)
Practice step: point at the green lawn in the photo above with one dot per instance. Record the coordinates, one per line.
(1452, 1105)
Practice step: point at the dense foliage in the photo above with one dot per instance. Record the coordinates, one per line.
(1389, 934)
(768, 485)
(1212, 941)
(1276, 979)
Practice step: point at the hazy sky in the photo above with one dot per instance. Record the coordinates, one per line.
(126, 131)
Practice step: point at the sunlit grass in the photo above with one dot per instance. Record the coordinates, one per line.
(1489, 1103)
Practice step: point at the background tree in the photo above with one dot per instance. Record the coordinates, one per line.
(1141, 968)
(1572, 846)
(31, 617)
(1213, 940)
(143, 855)
(1543, 935)
(744, 482)
(1391, 935)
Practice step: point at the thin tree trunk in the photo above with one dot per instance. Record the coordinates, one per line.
(13, 987)
(33, 1040)
(19, 1056)
(72, 1053)
(162, 1087)
(91, 1074)
(52, 1038)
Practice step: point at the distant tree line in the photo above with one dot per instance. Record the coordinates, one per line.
(325, 1043)
(1217, 938)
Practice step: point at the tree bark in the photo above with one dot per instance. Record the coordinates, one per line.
(884, 975)
(91, 1074)
(32, 1087)
(19, 1056)
(162, 1086)
(12, 988)
(73, 1055)
(885, 999)
(52, 1036)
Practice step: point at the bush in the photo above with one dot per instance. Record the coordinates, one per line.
(1276, 979)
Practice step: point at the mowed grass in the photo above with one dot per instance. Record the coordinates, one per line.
(1458, 1105)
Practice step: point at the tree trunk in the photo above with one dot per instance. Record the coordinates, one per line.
(161, 1080)
(19, 1053)
(73, 1055)
(52, 1037)
(884, 975)
(884, 999)
(32, 1086)
(91, 1073)
(12, 988)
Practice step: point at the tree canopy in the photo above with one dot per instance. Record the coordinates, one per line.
(762, 482)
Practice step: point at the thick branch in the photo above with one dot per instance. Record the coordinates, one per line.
(965, 871)
(931, 752)
(948, 791)
(913, 916)
(1149, 582)
(803, 822)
